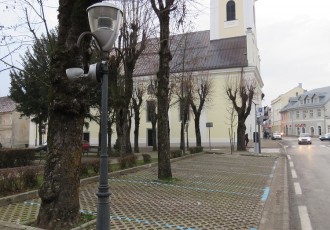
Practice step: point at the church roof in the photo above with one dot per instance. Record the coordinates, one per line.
(7, 105)
(194, 52)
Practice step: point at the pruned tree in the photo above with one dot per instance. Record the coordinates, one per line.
(200, 92)
(139, 90)
(240, 91)
(232, 118)
(132, 41)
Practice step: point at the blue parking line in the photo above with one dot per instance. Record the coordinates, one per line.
(265, 195)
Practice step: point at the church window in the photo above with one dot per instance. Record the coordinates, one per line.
(231, 11)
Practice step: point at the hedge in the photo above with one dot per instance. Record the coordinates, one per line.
(10, 158)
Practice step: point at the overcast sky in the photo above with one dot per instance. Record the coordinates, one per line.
(293, 40)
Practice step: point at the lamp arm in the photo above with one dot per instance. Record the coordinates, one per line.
(81, 36)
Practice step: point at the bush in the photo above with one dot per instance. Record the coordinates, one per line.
(146, 158)
(127, 161)
(89, 166)
(18, 179)
(16, 157)
(196, 149)
(176, 153)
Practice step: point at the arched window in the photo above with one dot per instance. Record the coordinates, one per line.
(231, 11)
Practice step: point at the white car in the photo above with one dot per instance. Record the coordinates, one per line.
(305, 138)
(276, 136)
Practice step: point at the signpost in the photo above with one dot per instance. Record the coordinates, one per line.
(209, 125)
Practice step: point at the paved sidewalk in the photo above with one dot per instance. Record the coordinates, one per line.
(212, 191)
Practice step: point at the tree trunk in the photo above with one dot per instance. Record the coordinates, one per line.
(136, 130)
(68, 106)
(182, 140)
(60, 191)
(197, 130)
(241, 128)
(154, 134)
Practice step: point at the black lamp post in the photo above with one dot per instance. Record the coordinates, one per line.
(104, 21)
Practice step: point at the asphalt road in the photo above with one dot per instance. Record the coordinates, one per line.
(309, 184)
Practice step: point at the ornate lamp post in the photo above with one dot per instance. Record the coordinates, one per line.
(104, 21)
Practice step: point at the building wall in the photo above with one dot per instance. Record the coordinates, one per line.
(221, 28)
(215, 111)
(278, 104)
(14, 130)
(316, 125)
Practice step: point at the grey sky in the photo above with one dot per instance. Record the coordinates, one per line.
(293, 39)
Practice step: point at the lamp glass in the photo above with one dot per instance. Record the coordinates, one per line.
(104, 21)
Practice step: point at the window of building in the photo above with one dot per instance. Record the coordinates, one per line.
(308, 101)
(312, 131)
(151, 109)
(328, 128)
(319, 112)
(311, 113)
(304, 113)
(319, 130)
(297, 114)
(231, 11)
(298, 131)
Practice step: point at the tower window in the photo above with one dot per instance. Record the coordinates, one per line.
(231, 15)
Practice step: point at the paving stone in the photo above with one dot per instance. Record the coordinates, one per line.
(211, 191)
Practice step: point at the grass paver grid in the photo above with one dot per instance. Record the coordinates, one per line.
(211, 192)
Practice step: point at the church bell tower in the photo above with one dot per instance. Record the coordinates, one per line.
(231, 18)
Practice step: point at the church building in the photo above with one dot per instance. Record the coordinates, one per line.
(227, 51)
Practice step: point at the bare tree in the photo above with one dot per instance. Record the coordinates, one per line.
(132, 41)
(139, 91)
(240, 91)
(201, 92)
(232, 118)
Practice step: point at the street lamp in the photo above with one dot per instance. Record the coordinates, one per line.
(104, 21)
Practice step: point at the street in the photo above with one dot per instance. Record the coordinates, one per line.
(309, 183)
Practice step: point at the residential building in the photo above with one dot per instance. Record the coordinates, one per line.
(227, 51)
(14, 128)
(278, 104)
(308, 112)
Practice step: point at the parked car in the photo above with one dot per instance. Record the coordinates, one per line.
(276, 136)
(85, 145)
(325, 137)
(304, 138)
(42, 147)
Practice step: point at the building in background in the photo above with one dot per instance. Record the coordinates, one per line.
(227, 51)
(14, 128)
(278, 104)
(308, 112)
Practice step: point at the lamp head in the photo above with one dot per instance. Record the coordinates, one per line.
(104, 21)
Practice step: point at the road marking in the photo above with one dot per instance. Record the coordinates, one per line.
(294, 174)
(289, 157)
(304, 218)
(297, 188)
(291, 164)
